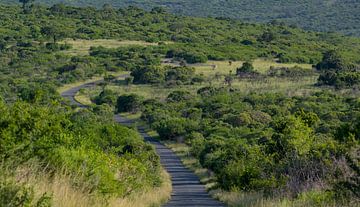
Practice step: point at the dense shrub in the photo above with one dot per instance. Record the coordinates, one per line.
(270, 143)
(129, 103)
(92, 148)
(106, 96)
(177, 96)
(148, 74)
(14, 194)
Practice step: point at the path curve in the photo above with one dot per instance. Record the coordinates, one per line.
(187, 189)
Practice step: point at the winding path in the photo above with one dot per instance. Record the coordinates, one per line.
(187, 189)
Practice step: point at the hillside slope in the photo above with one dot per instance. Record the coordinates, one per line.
(318, 15)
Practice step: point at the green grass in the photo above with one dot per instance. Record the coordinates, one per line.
(260, 65)
(302, 86)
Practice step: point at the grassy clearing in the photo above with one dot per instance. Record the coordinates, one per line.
(261, 65)
(82, 47)
(303, 86)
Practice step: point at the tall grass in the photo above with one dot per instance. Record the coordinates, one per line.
(59, 185)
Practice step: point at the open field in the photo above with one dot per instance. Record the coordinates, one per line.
(302, 86)
(82, 47)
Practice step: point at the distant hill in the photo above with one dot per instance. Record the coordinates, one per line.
(319, 15)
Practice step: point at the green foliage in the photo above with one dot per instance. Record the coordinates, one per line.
(332, 60)
(19, 195)
(177, 96)
(157, 75)
(340, 79)
(188, 56)
(174, 127)
(55, 32)
(312, 15)
(269, 143)
(148, 74)
(106, 97)
(293, 73)
(183, 74)
(129, 103)
(336, 72)
(93, 148)
(247, 67)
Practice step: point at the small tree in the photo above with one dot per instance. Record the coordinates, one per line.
(106, 96)
(54, 32)
(247, 67)
(331, 60)
(25, 4)
(267, 36)
(129, 103)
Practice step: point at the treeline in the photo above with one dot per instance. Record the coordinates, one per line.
(312, 15)
(228, 39)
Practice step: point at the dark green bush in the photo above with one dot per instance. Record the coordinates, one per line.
(129, 103)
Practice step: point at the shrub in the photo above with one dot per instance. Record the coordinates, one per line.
(177, 96)
(247, 67)
(14, 194)
(183, 74)
(148, 74)
(106, 97)
(128, 103)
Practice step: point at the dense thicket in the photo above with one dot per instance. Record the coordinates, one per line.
(318, 15)
(109, 159)
(270, 143)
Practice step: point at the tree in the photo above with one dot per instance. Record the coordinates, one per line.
(106, 96)
(267, 36)
(183, 74)
(148, 74)
(53, 31)
(129, 103)
(247, 67)
(331, 60)
(25, 4)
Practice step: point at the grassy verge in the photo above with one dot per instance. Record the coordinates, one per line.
(33, 183)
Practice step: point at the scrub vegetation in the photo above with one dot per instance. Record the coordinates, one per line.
(270, 113)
